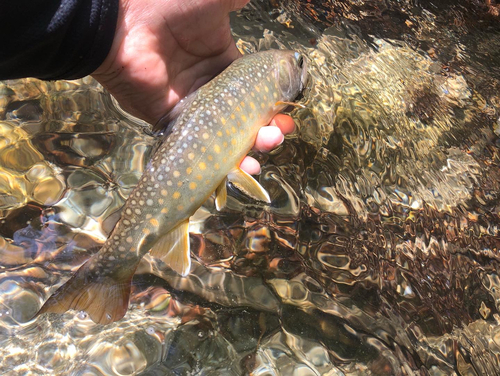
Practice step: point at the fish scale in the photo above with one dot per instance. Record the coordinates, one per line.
(214, 129)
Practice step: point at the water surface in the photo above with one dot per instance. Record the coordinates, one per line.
(378, 255)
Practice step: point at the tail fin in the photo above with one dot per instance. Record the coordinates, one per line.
(103, 297)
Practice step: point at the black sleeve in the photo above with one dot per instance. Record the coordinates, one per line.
(55, 39)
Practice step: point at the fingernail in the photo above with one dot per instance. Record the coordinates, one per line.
(282, 139)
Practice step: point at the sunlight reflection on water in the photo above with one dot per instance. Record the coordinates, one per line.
(379, 253)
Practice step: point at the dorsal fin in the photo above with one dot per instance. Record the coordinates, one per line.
(164, 125)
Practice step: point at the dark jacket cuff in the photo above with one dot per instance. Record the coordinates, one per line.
(64, 39)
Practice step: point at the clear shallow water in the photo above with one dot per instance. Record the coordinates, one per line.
(379, 254)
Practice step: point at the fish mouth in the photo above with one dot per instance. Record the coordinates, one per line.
(304, 78)
(301, 63)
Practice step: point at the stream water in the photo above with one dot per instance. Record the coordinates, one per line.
(379, 254)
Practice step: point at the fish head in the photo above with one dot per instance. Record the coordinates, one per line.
(291, 74)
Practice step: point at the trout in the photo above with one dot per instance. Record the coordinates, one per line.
(211, 132)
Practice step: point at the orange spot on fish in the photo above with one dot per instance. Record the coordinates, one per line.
(176, 195)
(199, 177)
(217, 148)
(192, 185)
(154, 222)
(202, 166)
(189, 170)
(164, 211)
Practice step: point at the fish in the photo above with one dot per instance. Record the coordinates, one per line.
(209, 132)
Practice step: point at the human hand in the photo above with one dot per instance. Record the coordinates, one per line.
(165, 49)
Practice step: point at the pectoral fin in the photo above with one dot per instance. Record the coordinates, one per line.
(248, 185)
(281, 103)
(221, 195)
(173, 249)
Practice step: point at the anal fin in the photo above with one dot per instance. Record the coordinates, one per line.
(248, 185)
(104, 298)
(173, 249)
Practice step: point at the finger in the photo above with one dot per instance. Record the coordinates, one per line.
(268, 138)
(284, 122)
(250, 165)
